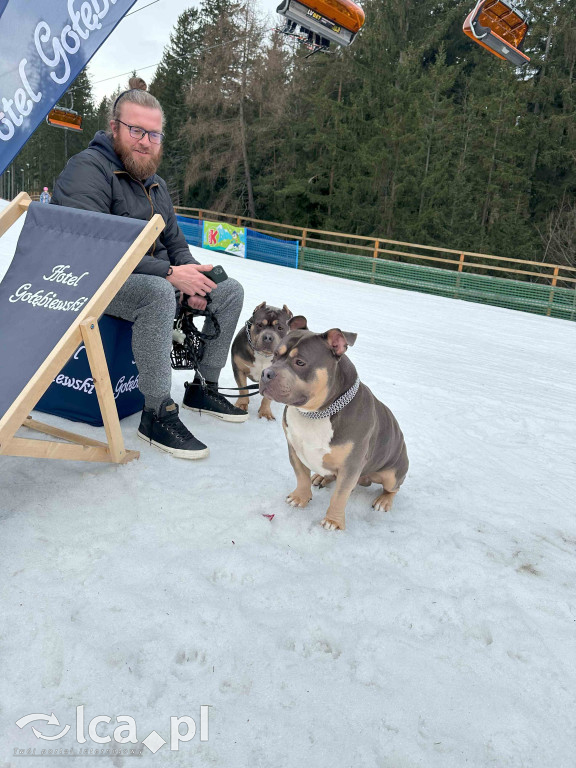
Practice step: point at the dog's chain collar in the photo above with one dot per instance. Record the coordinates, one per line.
(337, 405)
(248, 325)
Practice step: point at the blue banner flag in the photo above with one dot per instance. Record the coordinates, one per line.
(43, 48)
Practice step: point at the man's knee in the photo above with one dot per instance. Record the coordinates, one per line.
(229, 293)
(160, 294)
(161, 290)
(143, 293)
(237, 289)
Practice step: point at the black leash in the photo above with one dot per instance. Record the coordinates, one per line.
(240, 390)
(188, 344)
(187, 341)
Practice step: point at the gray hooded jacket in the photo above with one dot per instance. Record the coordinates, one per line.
(96, 180)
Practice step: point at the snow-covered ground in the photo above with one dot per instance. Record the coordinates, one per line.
(440, 635)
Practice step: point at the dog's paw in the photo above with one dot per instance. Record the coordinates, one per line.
(321, 481)
(266, 413)
(297, 499)
(242, 404)
(331, 525)
(383, 503)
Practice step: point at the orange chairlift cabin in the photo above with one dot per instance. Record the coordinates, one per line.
(500, 28)
(59, 117)
(322, 21)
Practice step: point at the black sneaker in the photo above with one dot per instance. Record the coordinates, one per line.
(208, 400)
(165, 430)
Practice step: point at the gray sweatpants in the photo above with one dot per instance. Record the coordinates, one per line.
(149, 302)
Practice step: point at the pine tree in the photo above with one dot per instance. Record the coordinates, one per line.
(45, 154)
(412, 133)
(172, 80)
(222, 107)
(271, 96)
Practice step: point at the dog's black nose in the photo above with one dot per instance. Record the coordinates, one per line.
(267, 338)
(268, 374)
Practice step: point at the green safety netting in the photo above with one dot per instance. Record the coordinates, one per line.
(483, 289)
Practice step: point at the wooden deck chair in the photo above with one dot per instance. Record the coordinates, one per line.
(68, 266)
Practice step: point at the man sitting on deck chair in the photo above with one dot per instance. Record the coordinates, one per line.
(117, 175)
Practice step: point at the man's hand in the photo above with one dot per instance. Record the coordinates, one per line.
(197, 302)
(190, 279)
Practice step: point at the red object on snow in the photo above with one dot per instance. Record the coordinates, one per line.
(270, 517)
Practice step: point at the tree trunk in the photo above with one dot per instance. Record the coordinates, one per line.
(461, 161)
(428, 150)
(390, 201)
(331, 184)
(537, 106)
(486, 207)
(251, 208)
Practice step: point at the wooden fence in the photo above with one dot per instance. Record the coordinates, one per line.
(396, 250)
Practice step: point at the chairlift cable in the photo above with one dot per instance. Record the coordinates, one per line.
(149, 66)
(140, 9)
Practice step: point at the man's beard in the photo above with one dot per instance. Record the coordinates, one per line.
(139, 167)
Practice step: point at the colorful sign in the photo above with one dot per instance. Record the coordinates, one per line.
(218, 236)
(43, 48)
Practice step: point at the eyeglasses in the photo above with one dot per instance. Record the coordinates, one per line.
(139, 133)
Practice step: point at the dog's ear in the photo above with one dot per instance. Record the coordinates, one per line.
(288, 312)
(339, 341)
(259, 307)
(298, 323)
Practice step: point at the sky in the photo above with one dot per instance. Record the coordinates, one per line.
(138, 43)
(437, 635)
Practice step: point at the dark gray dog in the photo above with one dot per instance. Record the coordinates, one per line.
(253, 347)
(333, 423)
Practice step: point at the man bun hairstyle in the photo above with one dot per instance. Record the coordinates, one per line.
(137, 93)
(137, 84)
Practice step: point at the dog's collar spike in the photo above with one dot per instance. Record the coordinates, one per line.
(337, 405)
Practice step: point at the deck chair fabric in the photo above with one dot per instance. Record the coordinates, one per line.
(62, 257)
(72, 394)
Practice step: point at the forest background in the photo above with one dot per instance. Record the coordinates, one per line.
(413, 133)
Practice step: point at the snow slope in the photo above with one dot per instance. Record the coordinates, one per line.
(439, 635)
